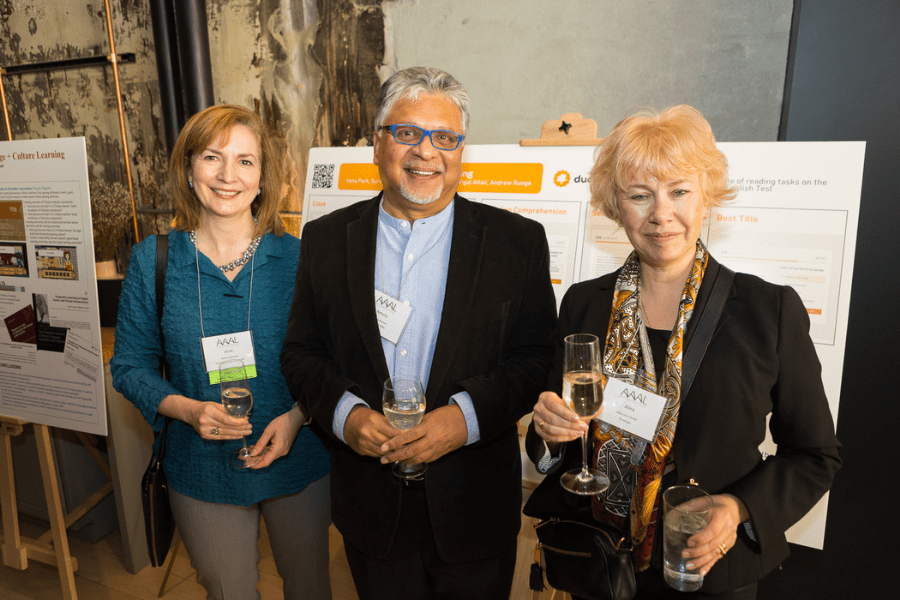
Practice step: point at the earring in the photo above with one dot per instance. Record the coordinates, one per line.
(259, 191)
(190, 182)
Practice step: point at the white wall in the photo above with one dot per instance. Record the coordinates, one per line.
(527, 61)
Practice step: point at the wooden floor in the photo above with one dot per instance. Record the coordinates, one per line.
(101, 573)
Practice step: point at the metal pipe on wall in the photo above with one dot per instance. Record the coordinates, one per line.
(5, 110)
(114, 59)
(51, 65)
(165, 39)
(193, 51)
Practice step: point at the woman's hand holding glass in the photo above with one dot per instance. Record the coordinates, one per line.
(209, 419)
(278, 437)
(715, 540)
(221, 425)
(555, 422)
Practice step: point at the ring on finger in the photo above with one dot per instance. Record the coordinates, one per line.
(723, 550)
(214, 431)
(543, 426)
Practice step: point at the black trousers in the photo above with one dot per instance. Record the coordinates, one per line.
(413, 569)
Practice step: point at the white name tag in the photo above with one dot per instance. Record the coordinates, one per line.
(392, 316)
(219, 348)
(632, 409)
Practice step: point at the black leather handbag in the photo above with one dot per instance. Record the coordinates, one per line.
(579, 555)
(158, 520)
(589, 561)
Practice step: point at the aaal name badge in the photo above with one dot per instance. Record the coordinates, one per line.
(230, 346)
(392, 316)
(632, 409)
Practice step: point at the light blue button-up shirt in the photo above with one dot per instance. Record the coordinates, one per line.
(411, 264)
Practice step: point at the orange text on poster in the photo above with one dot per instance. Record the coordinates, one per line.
(515, 178)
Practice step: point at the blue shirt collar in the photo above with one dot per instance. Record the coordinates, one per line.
(440, 218)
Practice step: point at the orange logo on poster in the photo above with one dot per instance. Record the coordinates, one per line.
(561, 178)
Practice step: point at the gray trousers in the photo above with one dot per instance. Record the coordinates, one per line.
(221, 540)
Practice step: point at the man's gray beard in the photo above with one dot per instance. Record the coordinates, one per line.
(409, 195)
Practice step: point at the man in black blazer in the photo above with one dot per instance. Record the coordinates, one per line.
(479, 335)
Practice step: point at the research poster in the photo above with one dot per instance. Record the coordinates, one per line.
(51, 358)
(794, 222)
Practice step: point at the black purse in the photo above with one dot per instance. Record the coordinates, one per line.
(158, 520)
(580, 555)
(589, 561)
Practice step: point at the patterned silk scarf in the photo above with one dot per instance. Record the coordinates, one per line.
(635, 471)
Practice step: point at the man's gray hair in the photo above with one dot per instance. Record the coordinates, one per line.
(411, 82)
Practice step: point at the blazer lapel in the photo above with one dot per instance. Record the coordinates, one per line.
(361, 239)
(466, 257)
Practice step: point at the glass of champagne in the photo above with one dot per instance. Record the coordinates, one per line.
(237, 400)
(583, 393)
(404, 406)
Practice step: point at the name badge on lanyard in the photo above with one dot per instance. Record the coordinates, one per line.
(392, 316)
(632, 409)
(230, 346)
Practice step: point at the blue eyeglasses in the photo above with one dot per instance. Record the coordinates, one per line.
(410, 135)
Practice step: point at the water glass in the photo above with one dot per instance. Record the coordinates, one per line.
(685, 512)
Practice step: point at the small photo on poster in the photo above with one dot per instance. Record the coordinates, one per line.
(13, 259)
(56, 262)
(52, 339)
(12, 220)
(20, 326)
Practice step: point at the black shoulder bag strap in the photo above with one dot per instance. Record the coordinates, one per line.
(705, 327)
(162, 259)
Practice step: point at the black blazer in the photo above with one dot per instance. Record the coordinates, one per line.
(760, 360)
(494, 342)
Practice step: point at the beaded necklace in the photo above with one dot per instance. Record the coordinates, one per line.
(248, 253)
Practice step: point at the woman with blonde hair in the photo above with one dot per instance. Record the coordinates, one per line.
(657, 175)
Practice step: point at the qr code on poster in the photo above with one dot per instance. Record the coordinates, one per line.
(322, 176)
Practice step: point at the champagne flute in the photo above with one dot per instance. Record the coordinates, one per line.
(237, 400)
(404, 406)
(583, 393)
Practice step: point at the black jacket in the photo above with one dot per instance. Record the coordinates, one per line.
(494, 342)
(760, 360)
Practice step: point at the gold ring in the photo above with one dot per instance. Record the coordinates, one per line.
(543, 426)
(722, 550)
(215, 431)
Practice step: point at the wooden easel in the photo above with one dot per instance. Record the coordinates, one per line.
(571, 130)
(16, 549)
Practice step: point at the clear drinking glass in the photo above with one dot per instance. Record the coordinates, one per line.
(685, 512)
(583, 393)
(237, 400)
(404, 406)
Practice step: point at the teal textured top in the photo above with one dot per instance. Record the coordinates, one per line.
(196, 467)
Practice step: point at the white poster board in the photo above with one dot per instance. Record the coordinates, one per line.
(794, 222)
(51, 357)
